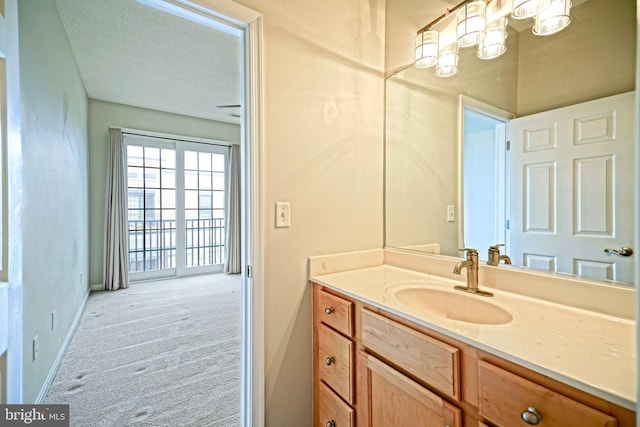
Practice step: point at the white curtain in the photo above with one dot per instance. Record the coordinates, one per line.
(232, 262)
(116, 268)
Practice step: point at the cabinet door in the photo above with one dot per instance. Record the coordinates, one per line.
(394, 400)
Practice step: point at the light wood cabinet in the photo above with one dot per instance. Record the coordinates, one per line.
(334, 360)
(507, 399)
(335, 312)
(429, 359)
(332, 411)
(335, 367)
(393, 399)
(373, 368)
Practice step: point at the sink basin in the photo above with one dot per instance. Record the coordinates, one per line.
(451, 304)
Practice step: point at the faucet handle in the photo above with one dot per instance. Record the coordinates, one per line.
(469, 251)
(496, 247)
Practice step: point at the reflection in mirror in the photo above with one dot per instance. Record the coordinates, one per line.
(432, 204)
(484, 175)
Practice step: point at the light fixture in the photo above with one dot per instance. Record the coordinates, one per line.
(553, 19)
(447, 61)
(426, 49)
(528, 8)
(472, 21)
(482, 23)
(494, 43)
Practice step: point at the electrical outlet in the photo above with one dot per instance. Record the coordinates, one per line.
(53, 320)
(36, 348)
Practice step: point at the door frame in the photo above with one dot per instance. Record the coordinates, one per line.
(12, 200)
(248, 23)
(464, 103)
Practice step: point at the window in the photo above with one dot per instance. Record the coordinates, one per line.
(204, 207)
(151, 208)
(176, 206)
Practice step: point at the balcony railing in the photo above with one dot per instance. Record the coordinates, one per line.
(152, 243)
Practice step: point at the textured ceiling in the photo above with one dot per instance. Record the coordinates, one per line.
(133, 54)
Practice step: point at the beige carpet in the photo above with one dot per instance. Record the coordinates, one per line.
(163, 353)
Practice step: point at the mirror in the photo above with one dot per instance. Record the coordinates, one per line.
(427, 173)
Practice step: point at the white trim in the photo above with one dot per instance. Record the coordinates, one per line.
(636, 237)
(194, 13)
(253, 410)
(252, 146)
(173, 137)
(14, 194)
(63, 349)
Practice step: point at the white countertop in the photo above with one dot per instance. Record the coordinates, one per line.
(590, 351)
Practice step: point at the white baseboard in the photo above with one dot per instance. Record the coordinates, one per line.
(63, 349)
(96, 287)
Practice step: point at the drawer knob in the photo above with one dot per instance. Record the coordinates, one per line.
(329, 360)
(531, 416)
(330, 424)
(329, 310)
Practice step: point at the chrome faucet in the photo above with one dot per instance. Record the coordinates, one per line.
(471, 264)
(494, 257)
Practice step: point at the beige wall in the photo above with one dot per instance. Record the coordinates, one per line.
(593, 58)
(323, 99)
(403, 18)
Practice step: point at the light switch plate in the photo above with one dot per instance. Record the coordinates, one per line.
(451, 213)
(283, 214)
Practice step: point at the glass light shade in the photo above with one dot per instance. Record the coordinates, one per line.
(553, 19)
(447, 61)
(528, 8)
(426, 49)
(472, 20)
(494, 44)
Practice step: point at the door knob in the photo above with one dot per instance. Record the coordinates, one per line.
(622, 251)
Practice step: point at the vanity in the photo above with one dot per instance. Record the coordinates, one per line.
(520, 153)
(396, 345)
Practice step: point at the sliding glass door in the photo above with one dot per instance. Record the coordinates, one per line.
(176, 206)
(204, 207)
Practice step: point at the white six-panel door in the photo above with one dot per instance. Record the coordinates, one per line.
(572, 192)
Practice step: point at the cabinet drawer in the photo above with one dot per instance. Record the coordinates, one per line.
(395, 400)
(335, 362)
(505, 397)
(332, 411)
(335, 312)
(433, 361)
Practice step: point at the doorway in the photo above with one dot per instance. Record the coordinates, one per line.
(246, 25)
(484, 171)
